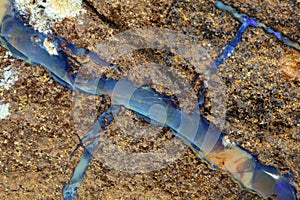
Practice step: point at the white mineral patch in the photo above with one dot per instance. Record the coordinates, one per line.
(226, 141)
(9, 77)
(4, 110)
(44, 12)
(50, 47)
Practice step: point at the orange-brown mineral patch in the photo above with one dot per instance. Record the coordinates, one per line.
(290, 64)
(234, 160)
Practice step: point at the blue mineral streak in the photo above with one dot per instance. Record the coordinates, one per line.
(26, 43)
(253, 22)
(231, 45)
(69, 190)
(283, 191)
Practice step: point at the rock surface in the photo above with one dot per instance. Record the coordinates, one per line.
(262, 104)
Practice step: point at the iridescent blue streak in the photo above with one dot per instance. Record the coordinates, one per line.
(253, 22)
(229, 48)
(246, 21)
(70, 189)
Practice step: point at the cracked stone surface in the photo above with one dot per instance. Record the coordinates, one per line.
(262, 104)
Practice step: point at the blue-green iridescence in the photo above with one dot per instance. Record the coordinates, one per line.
(26, 43)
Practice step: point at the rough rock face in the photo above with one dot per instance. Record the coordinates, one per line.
(262, 100)
(42, 13)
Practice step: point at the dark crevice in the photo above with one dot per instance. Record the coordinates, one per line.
(101, 16)
(170, 9)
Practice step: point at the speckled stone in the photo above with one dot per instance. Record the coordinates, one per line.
(262, 100)
(283, 16)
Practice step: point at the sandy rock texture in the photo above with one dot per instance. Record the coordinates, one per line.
(262, 103)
